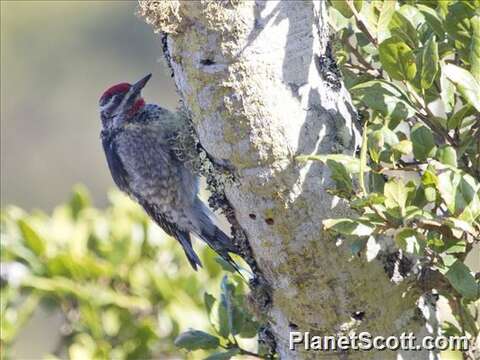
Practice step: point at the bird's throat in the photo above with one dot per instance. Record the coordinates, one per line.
(137, 106)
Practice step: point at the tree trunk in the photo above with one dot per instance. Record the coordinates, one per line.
(261, 85)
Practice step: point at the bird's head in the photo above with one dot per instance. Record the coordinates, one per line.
(121, 102)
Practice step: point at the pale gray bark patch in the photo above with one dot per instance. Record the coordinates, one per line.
(261, 86)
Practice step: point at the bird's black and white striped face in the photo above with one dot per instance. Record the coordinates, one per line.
(121, 102)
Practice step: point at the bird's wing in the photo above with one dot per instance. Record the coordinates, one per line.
(146, 159)
(147, 167)
(119, 174)
(171, 229)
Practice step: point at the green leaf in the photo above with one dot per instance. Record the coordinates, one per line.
(455, 121)
(457, 24)
(351, 164)
(447, 155)
(342, 7)
(475, 48)
(433, 20)
(459, 227)
(196, 339)
(376, 182)
(110, 322)
(223, 325)
(395, 193)
(397, 59)
(401, 27)
(413, 14)
(385, 98)
(456, 247)
(386, 13)
(404, 147)
(340, 175)
(447, 92)
(80, 200)
(370, 199)
(375, 144)
(429, 63)
(410, 241)
(32, 239)
(429, 177)
(226, 355)
(208, 300)
(349, 227)
(465, 83)
(430, 193)
(460, 192)
(462, 280)
(227, 301)
(423, 142)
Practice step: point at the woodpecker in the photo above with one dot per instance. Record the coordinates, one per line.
(139, 144)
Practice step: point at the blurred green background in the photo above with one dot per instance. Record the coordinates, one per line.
(85, 274)
(57, 58)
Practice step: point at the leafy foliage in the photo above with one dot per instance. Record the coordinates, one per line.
(123, 287)
(412, 68)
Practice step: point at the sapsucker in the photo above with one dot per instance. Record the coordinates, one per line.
(139, 143)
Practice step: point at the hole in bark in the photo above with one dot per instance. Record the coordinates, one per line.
(269, 221)
(252, 216)
(358, 315)
(293, 326)
(207, 62)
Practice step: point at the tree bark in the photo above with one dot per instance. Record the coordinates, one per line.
(260, 83)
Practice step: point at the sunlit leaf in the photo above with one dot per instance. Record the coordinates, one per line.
(395, 193)
(455, 121)
(433, 19)
(348, 227)
(457, 24)
(410, 241)
(196, 339)
(423, 142)
(447, 155)
(475, 48)
(208, 300)
(429, 63)
(384, 97)
(462, 280)
(466, 84)
(447, 92)
(386, 13)
(401, 27)
(32, 239)
(397, 59)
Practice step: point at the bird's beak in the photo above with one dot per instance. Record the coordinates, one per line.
(138, 86)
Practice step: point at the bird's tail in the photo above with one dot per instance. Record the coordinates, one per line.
(213, 235)
(183, 238)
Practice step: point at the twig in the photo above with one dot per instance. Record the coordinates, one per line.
(361, 24)
(360, 58)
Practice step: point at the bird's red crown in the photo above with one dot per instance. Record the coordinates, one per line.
(116, 89)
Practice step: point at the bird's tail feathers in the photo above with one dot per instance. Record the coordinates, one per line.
(211, 233)
(184, 239)
(214, 236)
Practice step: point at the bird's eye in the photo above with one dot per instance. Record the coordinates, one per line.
(108, 100)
